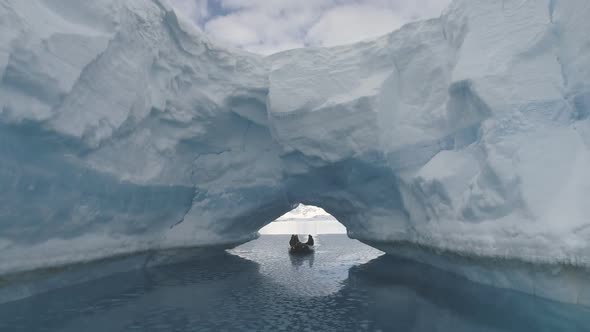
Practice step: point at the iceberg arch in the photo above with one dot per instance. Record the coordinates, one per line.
(123, 129)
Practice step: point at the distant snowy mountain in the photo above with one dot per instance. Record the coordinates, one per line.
(306, 212)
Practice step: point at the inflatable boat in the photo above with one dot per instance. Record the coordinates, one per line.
(301, 249)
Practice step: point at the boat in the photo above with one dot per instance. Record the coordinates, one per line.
(301, 249)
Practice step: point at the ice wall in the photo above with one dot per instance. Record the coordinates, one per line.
(125, 129)
(466, 133)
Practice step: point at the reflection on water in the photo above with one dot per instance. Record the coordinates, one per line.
(343, 286)
(409, 296)
(298, 260)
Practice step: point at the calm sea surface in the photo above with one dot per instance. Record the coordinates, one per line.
(343, 286)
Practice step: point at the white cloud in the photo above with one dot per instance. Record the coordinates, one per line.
(347, 24)
(268, 26)
(233, 30)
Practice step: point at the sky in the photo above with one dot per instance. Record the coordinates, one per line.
(270, 26)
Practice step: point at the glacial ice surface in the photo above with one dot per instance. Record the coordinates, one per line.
(124, 129)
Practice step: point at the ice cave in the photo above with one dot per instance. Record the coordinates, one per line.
(461, 141)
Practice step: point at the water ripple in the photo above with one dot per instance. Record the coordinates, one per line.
(343, 286)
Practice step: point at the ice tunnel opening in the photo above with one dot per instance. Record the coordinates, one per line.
(304, 220)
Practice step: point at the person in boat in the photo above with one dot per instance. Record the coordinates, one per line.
(294, 242)
(310, 241)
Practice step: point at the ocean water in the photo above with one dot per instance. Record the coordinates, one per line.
(343, 286)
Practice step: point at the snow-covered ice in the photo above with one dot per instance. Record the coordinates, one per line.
(124, 129)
